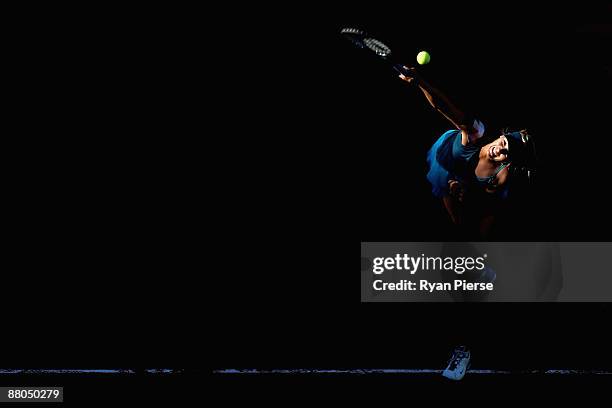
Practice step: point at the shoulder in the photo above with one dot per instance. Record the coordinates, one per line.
(474, 132)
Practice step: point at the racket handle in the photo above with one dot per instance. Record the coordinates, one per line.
(400, 68)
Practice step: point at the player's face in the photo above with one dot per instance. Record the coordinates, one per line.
(497, 150)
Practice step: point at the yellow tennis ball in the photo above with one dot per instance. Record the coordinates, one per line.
(423, 57)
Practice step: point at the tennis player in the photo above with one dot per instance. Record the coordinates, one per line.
(464, 159)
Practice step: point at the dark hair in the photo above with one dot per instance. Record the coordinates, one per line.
(521, 149)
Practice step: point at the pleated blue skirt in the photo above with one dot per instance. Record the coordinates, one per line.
(438, 175)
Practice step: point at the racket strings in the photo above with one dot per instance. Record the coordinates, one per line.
(377, 46)
(362, 40)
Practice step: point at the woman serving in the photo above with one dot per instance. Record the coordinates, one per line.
(468, 170)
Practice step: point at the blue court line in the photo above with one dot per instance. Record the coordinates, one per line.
(83, 371)
(363, 371)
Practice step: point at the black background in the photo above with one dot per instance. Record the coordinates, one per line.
(316, 147)
(338, 158)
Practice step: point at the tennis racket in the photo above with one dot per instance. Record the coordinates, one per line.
(363, 40)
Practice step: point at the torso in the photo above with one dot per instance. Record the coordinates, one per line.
(483, 171)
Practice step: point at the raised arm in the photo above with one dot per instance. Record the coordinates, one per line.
(471, 129)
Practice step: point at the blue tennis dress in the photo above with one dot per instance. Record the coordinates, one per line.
(448, 160)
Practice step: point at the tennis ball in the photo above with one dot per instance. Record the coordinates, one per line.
(423, 57)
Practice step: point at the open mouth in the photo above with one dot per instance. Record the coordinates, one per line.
(492, 153)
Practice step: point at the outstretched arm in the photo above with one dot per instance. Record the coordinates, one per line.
(470, 128)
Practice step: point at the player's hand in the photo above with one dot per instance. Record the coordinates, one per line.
(412, 78)
(456, 190)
